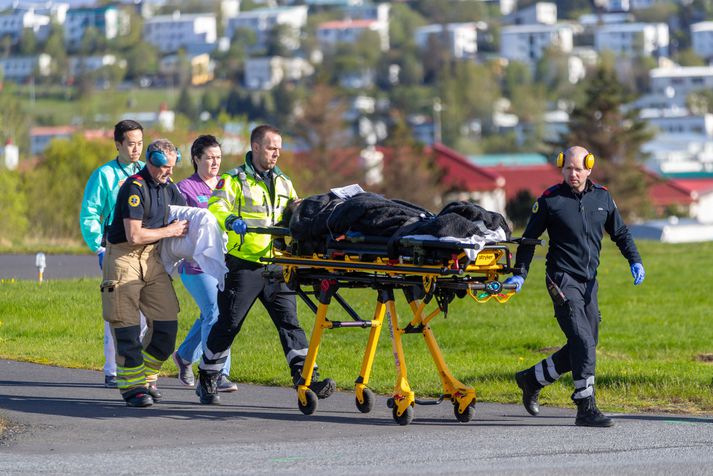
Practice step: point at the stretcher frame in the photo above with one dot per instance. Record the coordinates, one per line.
(358, 263)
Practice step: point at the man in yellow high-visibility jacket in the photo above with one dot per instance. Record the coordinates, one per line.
(254, 194)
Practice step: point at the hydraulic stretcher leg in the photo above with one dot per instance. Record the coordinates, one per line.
(461, 395)
(363, 395)
(404, 398)
(306, 398)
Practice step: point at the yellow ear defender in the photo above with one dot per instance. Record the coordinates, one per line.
(588, 161)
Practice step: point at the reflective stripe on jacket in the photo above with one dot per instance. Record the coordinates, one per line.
(242, 193)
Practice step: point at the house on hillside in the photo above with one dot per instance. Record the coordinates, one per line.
(41, 136)
(464, 180)
(196, 33)
(700, 190)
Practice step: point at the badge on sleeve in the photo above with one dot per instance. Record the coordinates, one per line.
(535, 207)
(220, 184)
(134, 200)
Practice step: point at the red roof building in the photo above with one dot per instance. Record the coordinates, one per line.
(463, 180)
(533, 178)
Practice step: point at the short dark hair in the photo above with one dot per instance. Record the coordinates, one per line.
(259, 133)
(122, 127)
(200, 145)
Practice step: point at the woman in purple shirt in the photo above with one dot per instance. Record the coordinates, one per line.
(205, 156)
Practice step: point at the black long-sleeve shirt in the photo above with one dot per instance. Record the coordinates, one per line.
(575, 223)
(142, 198)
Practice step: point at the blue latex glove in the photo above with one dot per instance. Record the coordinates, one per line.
(517, 281)
(100, 255)
(637, 271)
(239, 227)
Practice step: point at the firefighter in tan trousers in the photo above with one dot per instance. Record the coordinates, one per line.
(134, 277)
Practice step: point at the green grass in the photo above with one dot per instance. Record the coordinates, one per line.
(655, 339)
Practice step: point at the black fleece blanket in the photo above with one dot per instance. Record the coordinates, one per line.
(321, 216)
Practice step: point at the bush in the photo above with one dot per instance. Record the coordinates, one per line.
(13, 207)
(57, 184)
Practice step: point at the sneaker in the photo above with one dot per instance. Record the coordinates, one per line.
(138, 397)
(207, 388)
(322, 388)
(155, 394)
(225, 385)
(110, 381)
(185, 371)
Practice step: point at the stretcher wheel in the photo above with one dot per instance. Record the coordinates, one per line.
(368, 404)
(467, 415)
(311, 406)
(405, 418)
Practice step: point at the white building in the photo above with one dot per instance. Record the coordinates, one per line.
(264, 20)
(544, 13)
(461, 39)
(330, 33)
(527, 43)
(164, 120)
(21, 68)
(108, 20)
(680, 153)
(266, 73)
(702, 39)
(679, 122)
(680, 81)
(633, 39)
(590, 20)
(195, 33)
(14, 22)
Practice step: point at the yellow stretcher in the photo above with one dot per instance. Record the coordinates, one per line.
(425, 271)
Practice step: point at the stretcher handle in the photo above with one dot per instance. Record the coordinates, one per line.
(527, 241)
(481, 286)
(269, 230)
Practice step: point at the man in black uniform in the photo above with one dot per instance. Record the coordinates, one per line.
(134, 278)
(574, 213)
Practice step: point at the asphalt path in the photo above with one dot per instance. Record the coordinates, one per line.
(63, 421)
(57, 266)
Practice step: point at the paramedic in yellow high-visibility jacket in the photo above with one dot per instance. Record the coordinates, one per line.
(253, 195)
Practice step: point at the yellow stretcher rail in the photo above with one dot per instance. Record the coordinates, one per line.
(423, 278)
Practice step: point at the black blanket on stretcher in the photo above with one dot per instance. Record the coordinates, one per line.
(322, 216)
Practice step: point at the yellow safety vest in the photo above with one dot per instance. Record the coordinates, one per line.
(241, 193)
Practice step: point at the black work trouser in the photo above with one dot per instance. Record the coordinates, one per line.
(244, 284)
(579, 320)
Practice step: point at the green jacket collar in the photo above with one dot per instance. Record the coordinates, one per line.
(250, 168)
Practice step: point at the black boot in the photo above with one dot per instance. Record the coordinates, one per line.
(207, 388)
(322, 388)
(530, 390)
(155, 394)
(137, 397)
(589, 415)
